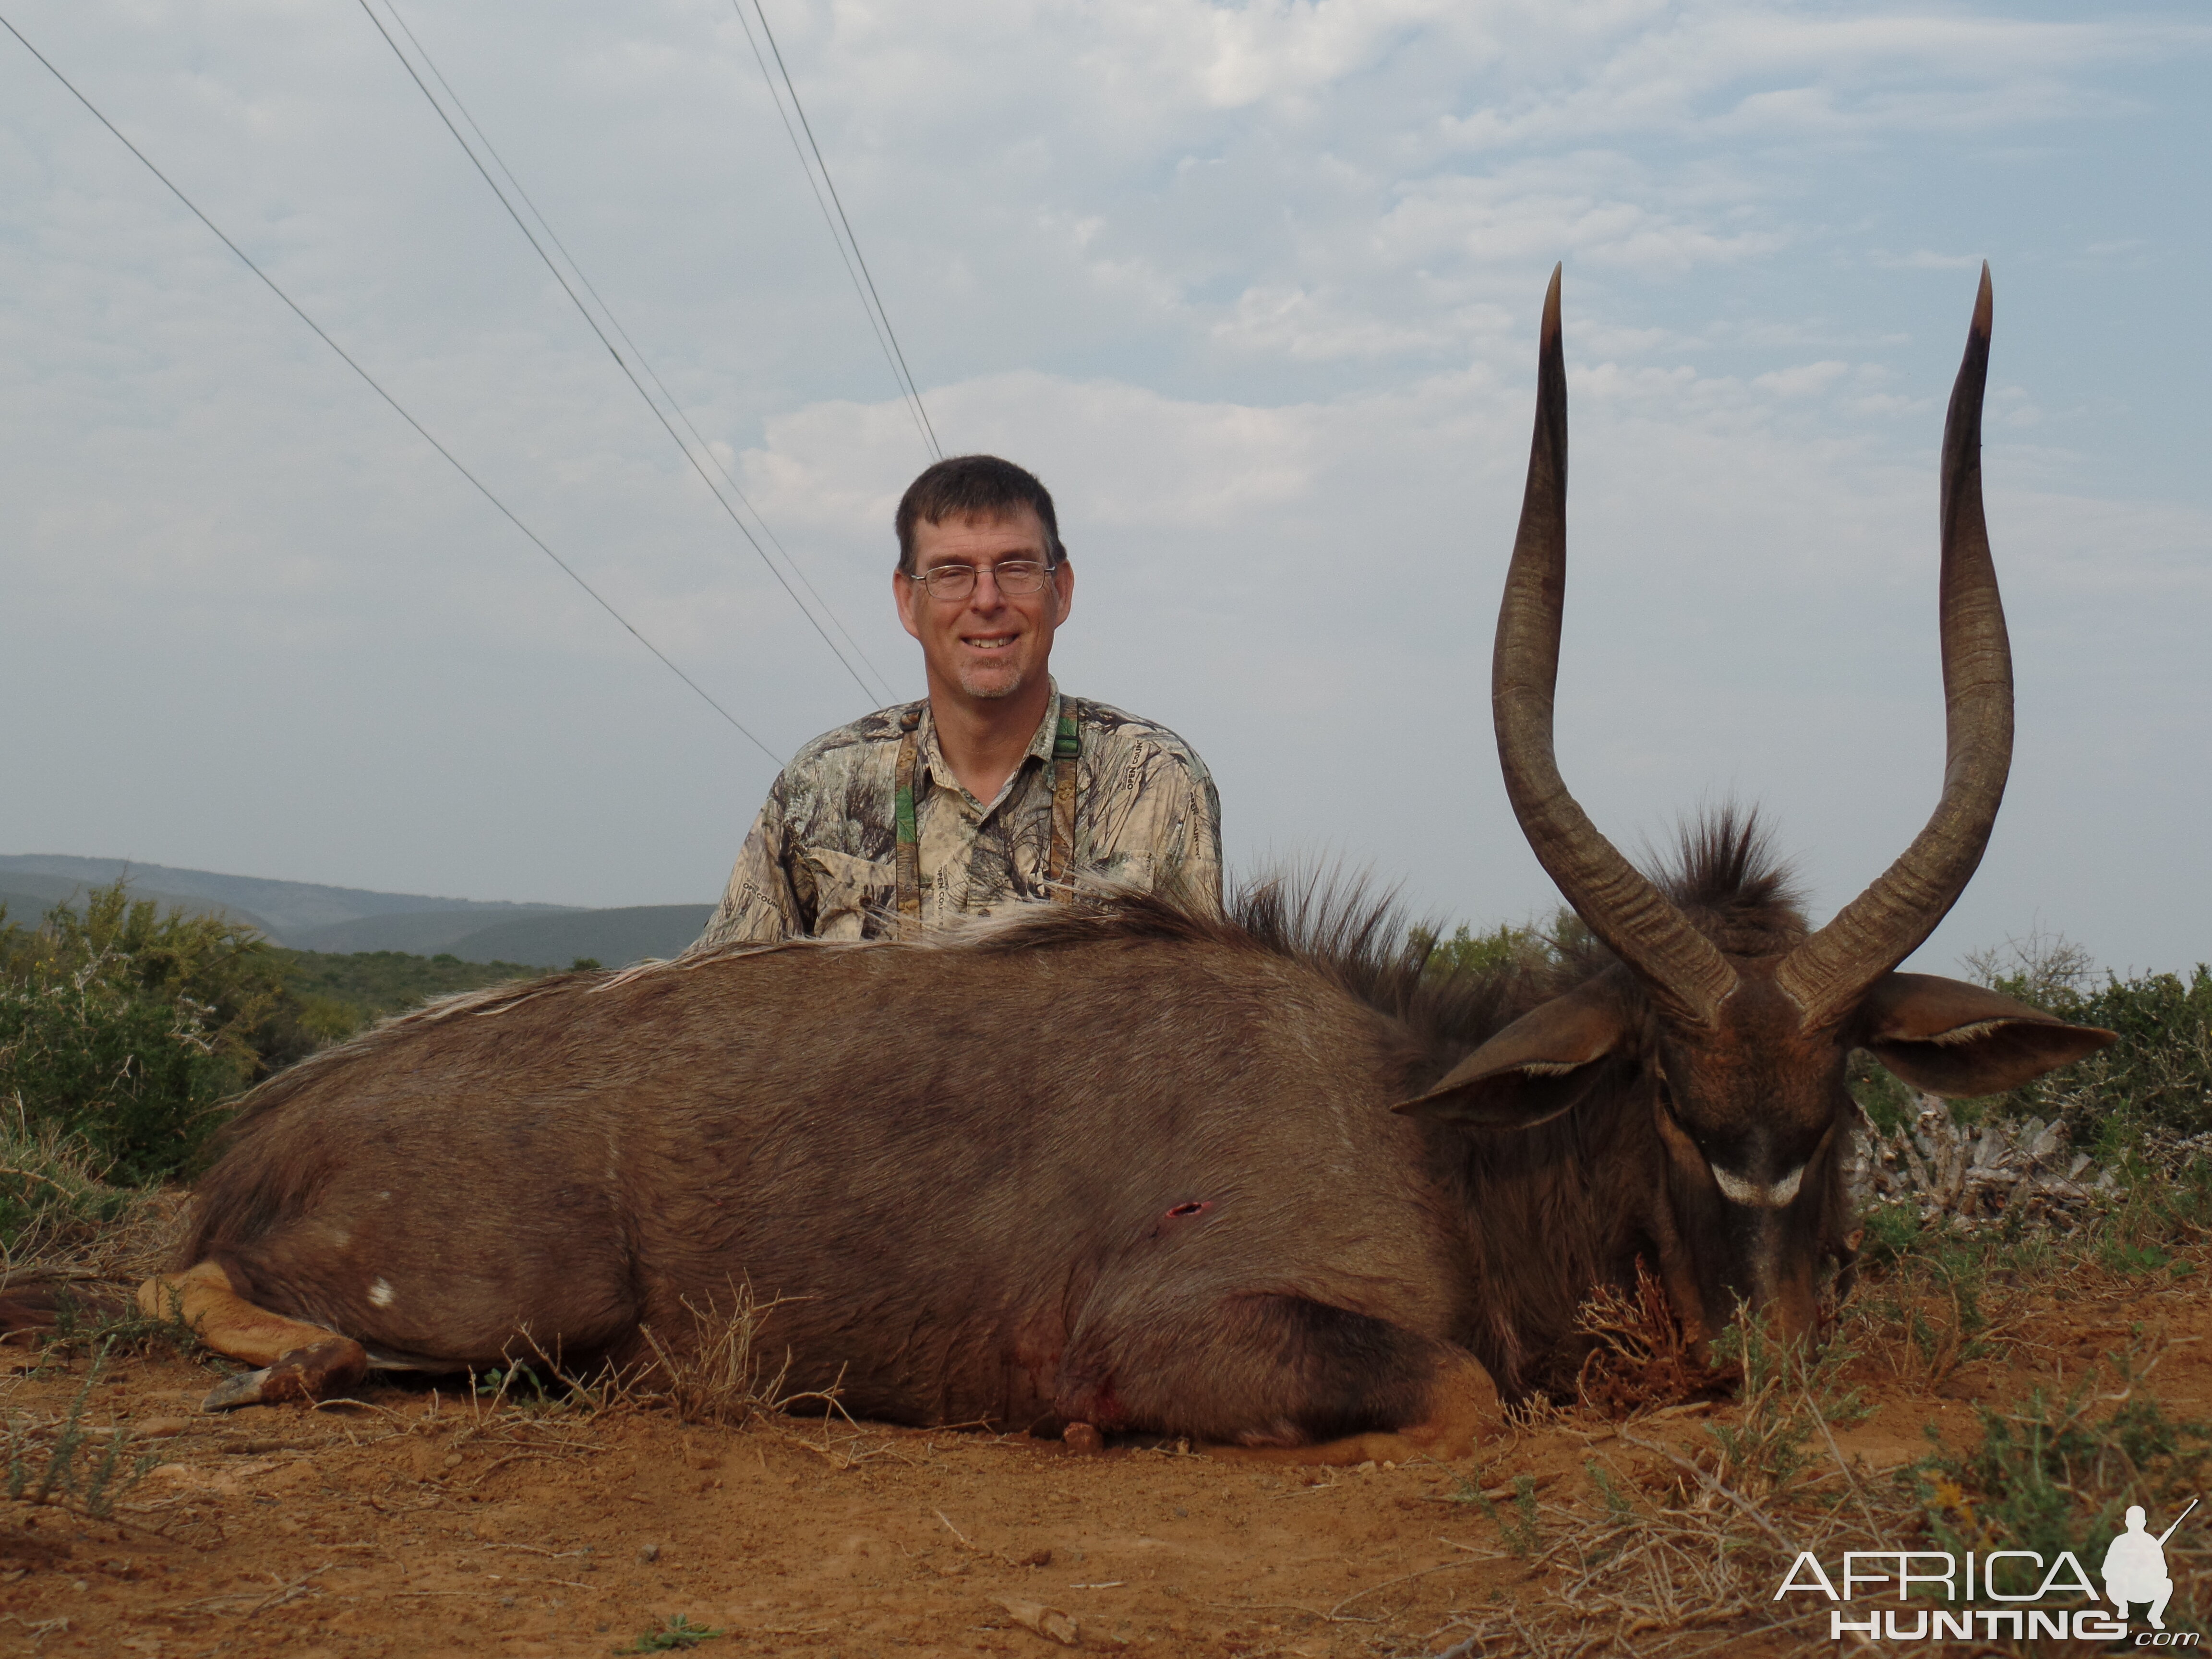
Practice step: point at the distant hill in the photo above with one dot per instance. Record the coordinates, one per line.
(29, 895)
(420, 933)
(611, 938)
(346, 920)
(281, 909)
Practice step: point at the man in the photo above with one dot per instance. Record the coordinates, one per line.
(2135, 1567)
(994, 790)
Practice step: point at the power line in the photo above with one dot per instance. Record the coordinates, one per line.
(870, 301)
(616, 323)
(866, 690)
(638, 356)
(481, 489)
(884, 343)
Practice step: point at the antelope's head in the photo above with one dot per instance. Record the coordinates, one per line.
(1740, 1043)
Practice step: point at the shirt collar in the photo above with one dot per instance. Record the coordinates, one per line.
(1040, 749)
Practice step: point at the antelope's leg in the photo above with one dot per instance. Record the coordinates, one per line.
(297, 1360)
(1281, 1377)
(1463, 1407)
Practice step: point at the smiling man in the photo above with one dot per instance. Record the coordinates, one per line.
(995, 789)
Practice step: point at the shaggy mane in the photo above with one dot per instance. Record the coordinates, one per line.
(1729, 879)
(1338, 925)
(1724, 874)
(1359, 937)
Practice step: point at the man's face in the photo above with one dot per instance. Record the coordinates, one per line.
(990, 644)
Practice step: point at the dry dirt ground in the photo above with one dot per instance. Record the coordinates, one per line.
(417, 1521)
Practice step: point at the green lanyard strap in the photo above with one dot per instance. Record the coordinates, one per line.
(1066, 750)
(909, 842)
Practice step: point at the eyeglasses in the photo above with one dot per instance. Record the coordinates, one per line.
(1016, 578)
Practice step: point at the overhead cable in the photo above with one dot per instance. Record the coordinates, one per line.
(636, 354)
(376, 386)
(866, 690)
(864, 282)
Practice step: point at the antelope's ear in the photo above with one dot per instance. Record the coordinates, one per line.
(1951, 1038)
(1536, 1069)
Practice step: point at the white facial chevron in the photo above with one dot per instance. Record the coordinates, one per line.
(1773, 1196)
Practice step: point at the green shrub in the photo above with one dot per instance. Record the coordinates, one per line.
(1504, 948)
(69, 1463)
(123, 1032)
(1888, 1104)
(676, 1635)
(1787, 1392)
(2056, 1473)
(2156, 1079)
(2159, 1075)
(339, 993)
(1467, 952)
(126, 1029)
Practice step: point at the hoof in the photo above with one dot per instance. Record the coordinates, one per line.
(1082, 1439)
(244, 1390)
(308, 1373)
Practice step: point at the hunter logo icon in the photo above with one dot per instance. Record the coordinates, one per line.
(2022, 1581)
(2135, 1566)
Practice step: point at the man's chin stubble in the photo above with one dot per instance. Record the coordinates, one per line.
(992, 690)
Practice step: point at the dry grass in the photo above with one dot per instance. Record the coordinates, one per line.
(1641, 1360)
(1680, 1553)
(727, 1375)
(74, 1247)
(724, 1374)
(60, 1216)
(720, 1375)
(1675, 1545)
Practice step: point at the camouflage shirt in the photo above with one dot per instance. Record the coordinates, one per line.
(821, 859)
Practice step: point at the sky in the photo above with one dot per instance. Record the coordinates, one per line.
(1253, 288)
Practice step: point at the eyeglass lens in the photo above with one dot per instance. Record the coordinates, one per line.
(1020, 577)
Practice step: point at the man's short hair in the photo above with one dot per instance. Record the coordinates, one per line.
(974, 487)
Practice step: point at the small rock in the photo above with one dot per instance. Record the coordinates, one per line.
(1082, 1439)
(1036, 1557)
(452, 1460)
(160, 1428)
(648, 1552)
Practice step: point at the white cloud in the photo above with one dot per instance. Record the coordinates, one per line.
(1804, 380)
(1319, 327)
(1504, 222)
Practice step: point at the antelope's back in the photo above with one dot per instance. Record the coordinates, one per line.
(947, 1137)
